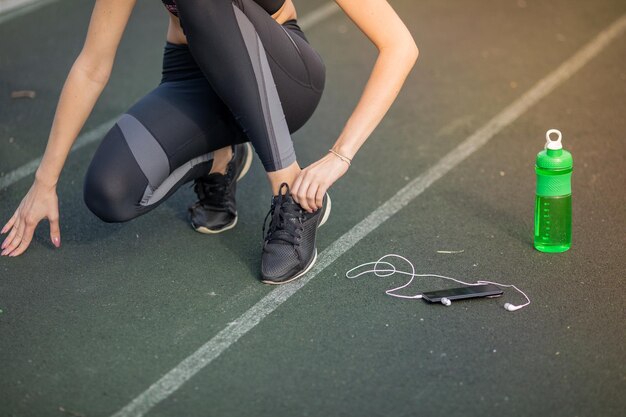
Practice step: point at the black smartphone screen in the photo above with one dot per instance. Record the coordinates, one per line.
(472, 291)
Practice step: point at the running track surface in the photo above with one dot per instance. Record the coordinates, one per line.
(86, 329)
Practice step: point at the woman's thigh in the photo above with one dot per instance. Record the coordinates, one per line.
(299, 73)
(298, 70)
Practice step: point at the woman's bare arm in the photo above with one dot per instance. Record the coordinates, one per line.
(86, 80)
(397, 56)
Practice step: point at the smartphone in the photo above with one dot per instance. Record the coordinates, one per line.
(472, 291)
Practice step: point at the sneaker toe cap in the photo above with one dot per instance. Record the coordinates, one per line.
(279, 262)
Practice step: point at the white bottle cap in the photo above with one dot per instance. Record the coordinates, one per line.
(553, 144)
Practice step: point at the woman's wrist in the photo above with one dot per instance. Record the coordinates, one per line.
(47, 180)
(344, 150)
(341, 157)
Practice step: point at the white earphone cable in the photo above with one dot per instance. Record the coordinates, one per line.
(393, 270)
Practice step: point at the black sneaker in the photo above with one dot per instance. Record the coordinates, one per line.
(289, 249)
(216, 209)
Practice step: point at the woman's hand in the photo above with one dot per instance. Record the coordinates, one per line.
(309, 188)
(40, 202)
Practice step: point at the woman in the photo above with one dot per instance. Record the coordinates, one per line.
(235, 73)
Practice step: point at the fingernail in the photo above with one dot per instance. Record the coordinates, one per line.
(4, 252)
(56, 241)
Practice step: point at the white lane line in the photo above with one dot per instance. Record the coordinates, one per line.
(307, 21)
(30, 167)
(314, 17)
(19, 8)
(212, 349)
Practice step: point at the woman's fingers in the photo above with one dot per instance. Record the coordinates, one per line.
(9, 239)
(307, 191)
(310, 187)
(55, 230)
(319, 197)
(9, 223)
(15, 237)
(310, 195)
(40, 202)
(301, 194)
(27, 237)
(295, 187)
(22, 233)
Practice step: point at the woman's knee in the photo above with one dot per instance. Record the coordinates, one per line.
(113, 182)
(106, 200)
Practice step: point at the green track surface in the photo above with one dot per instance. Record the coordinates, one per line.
(86, 328)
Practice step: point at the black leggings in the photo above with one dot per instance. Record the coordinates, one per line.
(243, 77)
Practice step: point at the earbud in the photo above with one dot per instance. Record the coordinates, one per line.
(511, 307)
(446, 302)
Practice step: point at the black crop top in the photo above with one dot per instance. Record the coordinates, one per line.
(270, 6)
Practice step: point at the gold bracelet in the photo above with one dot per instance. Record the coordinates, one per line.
(343, 158)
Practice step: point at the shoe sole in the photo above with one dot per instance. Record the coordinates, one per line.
(327, 211)
(246, 167)
(247, 163)
(299, 274)
(208, 231)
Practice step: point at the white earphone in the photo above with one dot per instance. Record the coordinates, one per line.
(445, 301)
(511, 307)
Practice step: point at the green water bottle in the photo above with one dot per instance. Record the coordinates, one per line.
(553, 202)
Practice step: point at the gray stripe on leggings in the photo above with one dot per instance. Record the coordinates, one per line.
(152, 195)
(281, 146)
(147, 151)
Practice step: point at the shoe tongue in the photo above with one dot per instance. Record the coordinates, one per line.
(213, 187)
(278, 200)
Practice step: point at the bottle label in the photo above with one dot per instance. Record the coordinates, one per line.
(551, 184)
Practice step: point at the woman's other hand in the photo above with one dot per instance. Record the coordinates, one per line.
(310, 186)
(40, 202)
